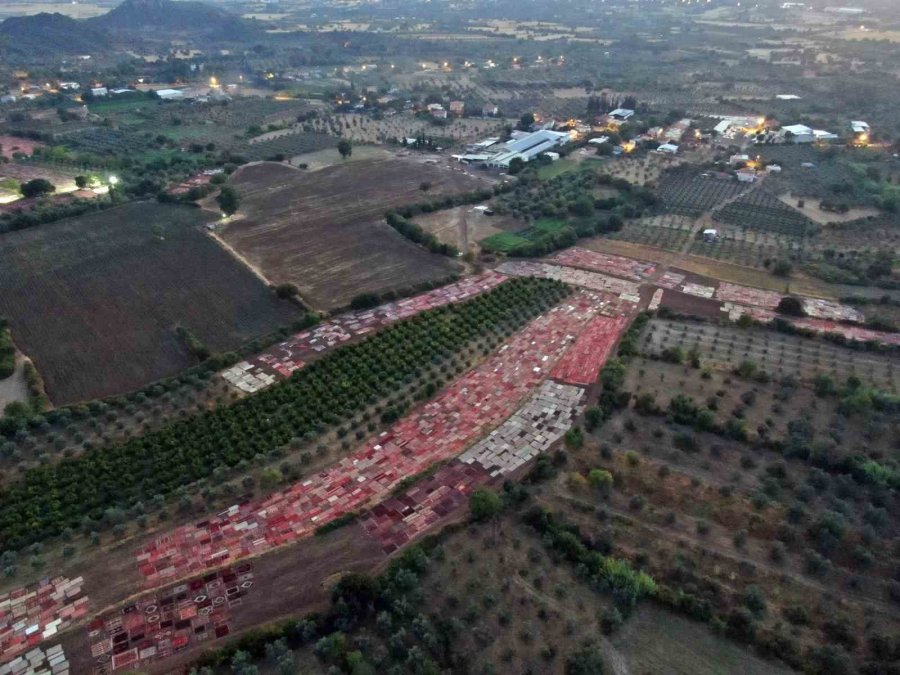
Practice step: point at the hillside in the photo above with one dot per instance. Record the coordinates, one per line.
(49, 34)
(193, 19)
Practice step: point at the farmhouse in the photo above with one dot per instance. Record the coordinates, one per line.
(668, 149)
(489, 110)
(859, 127)
(457, 107)
(99, 91)
(746, 175)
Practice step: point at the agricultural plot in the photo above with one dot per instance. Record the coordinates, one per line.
(160, 625)
(463, 226)
(668, 232)
(743, 249)
(281, 360)
(39, 662)
(102, 141)
(640, 170)
(505, 242)
(285, 146)
(866, 235)
(686, 192)
(13, 145)
(324, 231)
(529, 432)
(619, 266)
(775, 353)
(95, 300)
(658, 641)
(437, 431)
(761, 210)
(192, 449)
(812, 172)
(626, 290)
(581, 364)
(32, 614)
(364, 129)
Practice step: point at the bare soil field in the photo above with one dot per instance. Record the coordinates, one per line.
(325, 233)
(10, 145)
(95, 300)
(812, 210)
(464, 227)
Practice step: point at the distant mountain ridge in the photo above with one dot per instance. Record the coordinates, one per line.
(179, 17)
(54, 34)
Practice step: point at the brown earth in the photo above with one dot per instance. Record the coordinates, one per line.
(95, 300)
(325, 232)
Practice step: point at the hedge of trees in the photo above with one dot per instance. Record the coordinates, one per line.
(52, 498)
(605, 573)
(417, 235)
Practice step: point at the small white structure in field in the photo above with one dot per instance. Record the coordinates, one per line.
(170, 94)
(710, 236)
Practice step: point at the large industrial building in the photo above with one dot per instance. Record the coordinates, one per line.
(524, 145)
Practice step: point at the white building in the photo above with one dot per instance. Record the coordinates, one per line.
(170, 94)
(622, 114)
(859, 127)
(99, 91)
(800, 133)
(668, 149)
(526, 147)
